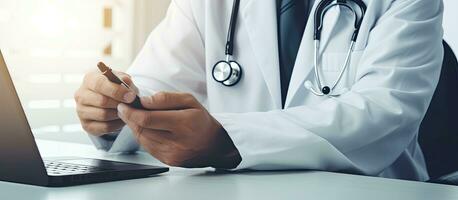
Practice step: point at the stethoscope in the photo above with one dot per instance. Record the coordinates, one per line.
(322, 8)
(228, 72)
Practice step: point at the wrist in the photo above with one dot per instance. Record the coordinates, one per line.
(227, 156)
(229, 161)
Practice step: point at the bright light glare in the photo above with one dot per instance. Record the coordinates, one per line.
(49, 20)
(46, 129)
(51, 44)
(4, 15)
(71, 128)
(44, 104)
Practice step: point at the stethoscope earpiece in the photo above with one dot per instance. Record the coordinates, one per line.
(334, 93)
(323, 7)
(326, 90)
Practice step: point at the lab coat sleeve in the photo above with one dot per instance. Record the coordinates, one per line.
(366, 129)
(172, 59)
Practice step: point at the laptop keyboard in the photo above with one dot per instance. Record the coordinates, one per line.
(62, 168)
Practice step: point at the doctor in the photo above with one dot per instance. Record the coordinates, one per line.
(286, 101)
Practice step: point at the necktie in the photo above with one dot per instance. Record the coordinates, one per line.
(292, 19)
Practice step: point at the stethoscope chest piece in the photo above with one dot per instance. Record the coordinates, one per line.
(227, 73)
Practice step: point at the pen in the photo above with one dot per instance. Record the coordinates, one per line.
(108, 72)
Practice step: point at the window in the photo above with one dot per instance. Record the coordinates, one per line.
(49, 45)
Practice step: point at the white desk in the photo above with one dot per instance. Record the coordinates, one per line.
(204, 184)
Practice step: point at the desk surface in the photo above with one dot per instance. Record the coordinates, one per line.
(206, 184)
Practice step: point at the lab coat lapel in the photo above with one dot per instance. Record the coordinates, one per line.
(304, 61)
(260, 20)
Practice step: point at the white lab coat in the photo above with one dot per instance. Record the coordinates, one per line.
(372, 129)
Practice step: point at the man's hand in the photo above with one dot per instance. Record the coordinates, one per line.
(179, 131)
(97, 101)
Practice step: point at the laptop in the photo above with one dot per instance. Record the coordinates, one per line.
(21, 162)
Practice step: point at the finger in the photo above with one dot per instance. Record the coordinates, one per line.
(124, 77)
(101, 128)
(97, 114)
(144, 134)
(157, 143)
(153, 141)
(157, 120)
(153, 147)
(170, 101)
(90, 98)
(128, 80)
(100, 84)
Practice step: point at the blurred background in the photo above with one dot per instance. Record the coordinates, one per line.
(50, 44)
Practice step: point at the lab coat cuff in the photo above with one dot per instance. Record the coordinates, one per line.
(117, 142)
(235, 132)
(104, 143)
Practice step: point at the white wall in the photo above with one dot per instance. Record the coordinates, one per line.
(147, 15)
(451, 23)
